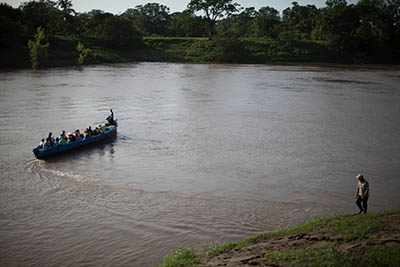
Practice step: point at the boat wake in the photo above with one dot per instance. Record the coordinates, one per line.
(45, 170)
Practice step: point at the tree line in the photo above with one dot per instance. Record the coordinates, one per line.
(369, 29)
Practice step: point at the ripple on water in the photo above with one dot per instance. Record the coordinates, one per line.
(203, 153)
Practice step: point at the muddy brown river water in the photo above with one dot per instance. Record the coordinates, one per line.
(203, 153)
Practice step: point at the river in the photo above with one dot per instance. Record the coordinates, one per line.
(203, 153)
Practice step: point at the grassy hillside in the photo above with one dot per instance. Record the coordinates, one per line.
(243, 50)
(341, 240)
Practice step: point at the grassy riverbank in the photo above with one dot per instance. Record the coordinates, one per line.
(340, 240)
(63, 52)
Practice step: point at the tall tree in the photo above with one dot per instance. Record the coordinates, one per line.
(266, 20)
(187, 24)
(93, 21)
(42, 14)
(237, 24)
(151, 18)
(336, 24)
(11, 29)
(67, 24)
(214, 10)
(300, 19)
(66, 6)
(393, 10)
(335, 3)
(243, 22)
(119, 32)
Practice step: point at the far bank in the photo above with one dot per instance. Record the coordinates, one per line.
(63, 51)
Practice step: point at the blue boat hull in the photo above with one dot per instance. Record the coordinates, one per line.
(49, 152)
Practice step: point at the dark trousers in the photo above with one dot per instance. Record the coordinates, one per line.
(362, 203)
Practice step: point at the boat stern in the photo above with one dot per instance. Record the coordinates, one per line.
(36, 152)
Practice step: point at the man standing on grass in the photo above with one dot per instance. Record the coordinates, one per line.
(362, 194)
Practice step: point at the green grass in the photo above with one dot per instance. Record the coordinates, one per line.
(389, 212)
(311, 226)
(182, 49)
(321, 256)
(175, 38)
(253, 50)
(181, 257)
(215, 248)
(330, 256)
(350, 228)
(383, 256)
(357, 227)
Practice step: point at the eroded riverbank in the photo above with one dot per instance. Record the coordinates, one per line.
(339, 240)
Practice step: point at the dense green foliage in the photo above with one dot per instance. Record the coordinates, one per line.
(366, 32)
(213, 9)
(37, 49)
(83, 52)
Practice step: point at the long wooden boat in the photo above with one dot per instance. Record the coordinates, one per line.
(43, 153)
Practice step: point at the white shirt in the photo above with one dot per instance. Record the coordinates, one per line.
(362, 187)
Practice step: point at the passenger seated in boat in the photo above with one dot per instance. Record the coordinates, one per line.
(101, 130)
(63, 141)
(90, 131)
(78, 136)
(71, 138)
(96, 131)
(41, 144)
(62, 135)
(48, 144)
(85, 134)
(56, 142)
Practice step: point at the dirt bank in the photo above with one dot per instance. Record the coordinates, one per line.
(340, 240)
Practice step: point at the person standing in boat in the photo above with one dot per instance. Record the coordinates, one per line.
(110, 117)
(362, 193)
(50, 137)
